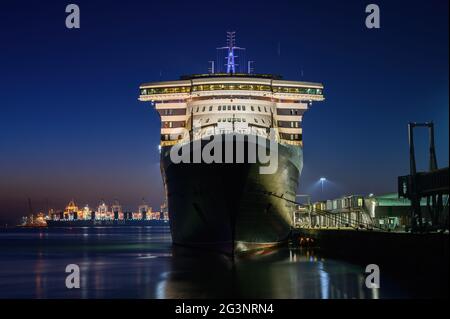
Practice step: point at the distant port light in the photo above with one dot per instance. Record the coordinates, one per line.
(323, 179)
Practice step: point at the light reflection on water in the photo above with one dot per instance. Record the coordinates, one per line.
(141, 263)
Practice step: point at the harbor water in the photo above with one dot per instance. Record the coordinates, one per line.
(140, 262)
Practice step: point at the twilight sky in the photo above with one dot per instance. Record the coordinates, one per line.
(71, 124)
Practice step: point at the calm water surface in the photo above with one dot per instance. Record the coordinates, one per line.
(142, 263)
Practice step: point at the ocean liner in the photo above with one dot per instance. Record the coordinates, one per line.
(231, 205)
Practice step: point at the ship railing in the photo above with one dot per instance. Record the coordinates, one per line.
(340, 220)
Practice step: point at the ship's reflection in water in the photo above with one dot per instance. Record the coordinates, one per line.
(141, 263)
(279, 273)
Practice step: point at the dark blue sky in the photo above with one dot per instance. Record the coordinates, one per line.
(71, 124)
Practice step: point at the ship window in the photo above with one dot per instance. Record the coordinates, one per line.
(229, 107)
(239, 107)
(220, 107)
(219, 120)
(238, 119)
(259, 108)
(207, 120)
(203, 109)
(262, 120)
(252, 107)
(244, 120)
(229, 119)
(234, 107)
(256, 121)
(210, 108)
(265, 110)
(197, 110)
(292, 112)
(243, 107)
(292, 137)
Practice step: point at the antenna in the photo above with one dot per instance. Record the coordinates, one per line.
(211, 68)
(250, 69)
(231, 57)
(231, 66)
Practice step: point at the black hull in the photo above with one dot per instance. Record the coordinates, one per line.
(106, 223)
(231, 207)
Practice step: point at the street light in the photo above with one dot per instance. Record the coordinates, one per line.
(322, 180)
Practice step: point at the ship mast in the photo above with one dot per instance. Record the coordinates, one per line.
(231, 65)
(231, 57)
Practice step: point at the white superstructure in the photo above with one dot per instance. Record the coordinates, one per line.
(224, 103)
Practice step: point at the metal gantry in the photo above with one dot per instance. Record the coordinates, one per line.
(432, 185)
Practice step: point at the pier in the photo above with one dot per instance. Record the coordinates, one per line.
(405, 233)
